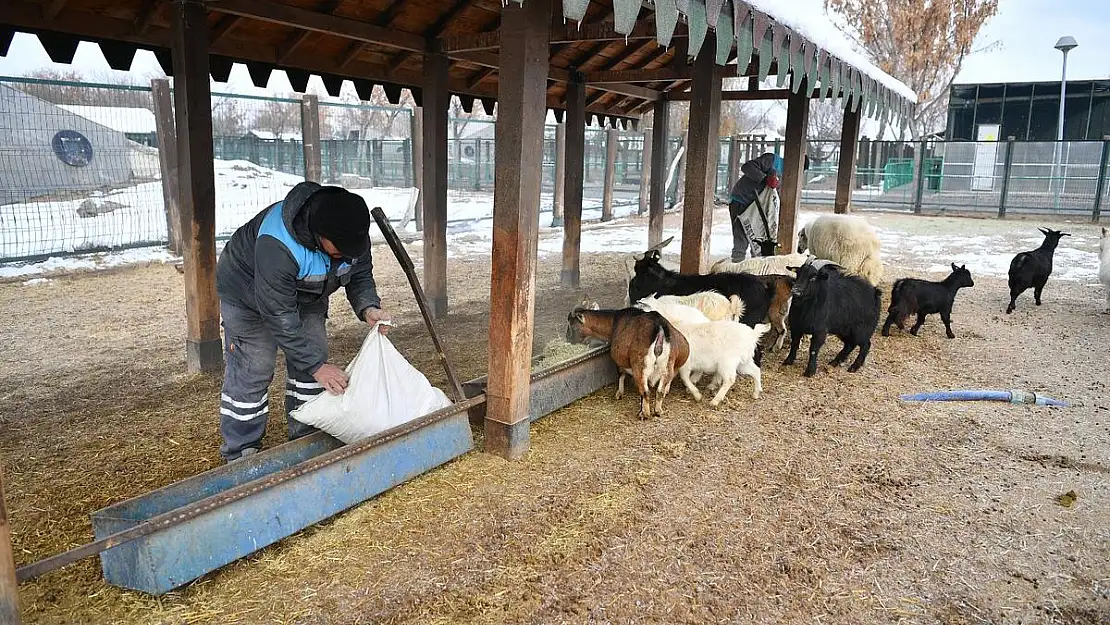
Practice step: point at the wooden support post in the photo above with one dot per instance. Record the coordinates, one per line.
(560, 175)
(701, 161)
(167, 161)
(9, 586)
(658, 196)
(919, 172)
(645, 173)
(793, 162)
(197, 188)
(416, 131)
(434, 194)
(611, 141)
(310, 138)
(574, 171)
(522, 105)
(846, 166)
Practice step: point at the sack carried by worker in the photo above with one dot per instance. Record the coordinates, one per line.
(384, 391)
(763, 225)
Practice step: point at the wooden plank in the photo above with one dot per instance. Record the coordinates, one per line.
(486, 59)
(223, 28)
(659, 142)
(310, 138)
(790, 191)
(560, 173)
(436, 103)
(573, 180)
(52, 8)
(9, 585)
(561, 34)
(846, 166)
(734, 162)
(146, 16)
(522, 104)
(701, 163)
(167, 161)
(304, 19)
(645, 173)
(416, 131)
(612, 139)
(197, 188)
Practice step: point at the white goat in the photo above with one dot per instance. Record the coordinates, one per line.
(846, 240)
(711, 304)
(760, 265)
(1104, 264)
(723, 348)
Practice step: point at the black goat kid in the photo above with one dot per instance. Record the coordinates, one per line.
(825, 302)
(924, 297)
(1032, 268)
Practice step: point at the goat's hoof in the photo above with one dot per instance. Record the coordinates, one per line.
(618, 396)
(951, 336)
(809, 373)
(853, 368)
(886, 331)
(756, 394)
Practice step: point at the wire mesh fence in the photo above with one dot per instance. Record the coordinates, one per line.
(80, 169)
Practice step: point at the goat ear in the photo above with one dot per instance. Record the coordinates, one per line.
(954, 267)
(595, 306)
(638, 257)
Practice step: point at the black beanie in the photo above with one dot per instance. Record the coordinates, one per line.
(342, 218)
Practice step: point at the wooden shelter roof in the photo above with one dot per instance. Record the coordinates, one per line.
(623, 49)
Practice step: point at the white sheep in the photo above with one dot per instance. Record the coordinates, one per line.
(711, 304)
(723, 348)
(846, 240)
(1104, 264)
(760, 265)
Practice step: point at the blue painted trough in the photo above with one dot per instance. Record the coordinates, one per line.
(238, 508)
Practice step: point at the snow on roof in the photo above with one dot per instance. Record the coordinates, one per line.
(819, 28)
(128, 120)
(270, 136)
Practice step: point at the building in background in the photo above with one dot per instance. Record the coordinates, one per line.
(1028, 111)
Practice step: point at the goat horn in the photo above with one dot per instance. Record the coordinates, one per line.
(662, 244)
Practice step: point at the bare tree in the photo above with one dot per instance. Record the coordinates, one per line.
(923, 43)
(826, 121)
(73, 94)
(279, 118)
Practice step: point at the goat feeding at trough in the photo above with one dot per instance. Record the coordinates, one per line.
(642, 343)
(911, 296)
(651, 278)
(828, 301)
(1032, 268)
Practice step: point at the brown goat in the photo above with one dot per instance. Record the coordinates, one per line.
(641, 343)
(778, 287)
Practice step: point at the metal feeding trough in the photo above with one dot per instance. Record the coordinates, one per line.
(557, 386)
(241, 507)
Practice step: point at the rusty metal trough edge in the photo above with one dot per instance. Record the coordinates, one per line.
(166, 538)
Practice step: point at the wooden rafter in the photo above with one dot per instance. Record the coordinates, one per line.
(384, 19)
(51, 9)
(435, 30)
(600, 30)
(293, 42)
(146, 17)
(226, 24)
(481, 75)
(329, 24)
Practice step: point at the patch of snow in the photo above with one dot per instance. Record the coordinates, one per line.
(818, 28)
(88, 262)
(35, 281)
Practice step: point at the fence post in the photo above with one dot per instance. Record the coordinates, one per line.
(1008, 165)
(310, 137)
(1100, 186)
(610, 173)
(477, 164)
(560, 169)
(733, 162)
(416, 131)
(167, 160)
(645, 173)
(920, 177)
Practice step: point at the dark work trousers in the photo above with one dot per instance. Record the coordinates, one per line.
(250, 356)
(740, 242)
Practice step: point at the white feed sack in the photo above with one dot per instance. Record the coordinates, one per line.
(384, 391)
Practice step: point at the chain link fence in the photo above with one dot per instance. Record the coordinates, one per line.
(80, 169)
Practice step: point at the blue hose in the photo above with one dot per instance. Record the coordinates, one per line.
(1013, 397)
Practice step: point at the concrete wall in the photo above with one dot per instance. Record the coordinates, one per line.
(29, 166)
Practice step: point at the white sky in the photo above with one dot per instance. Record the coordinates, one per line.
(1020, 40)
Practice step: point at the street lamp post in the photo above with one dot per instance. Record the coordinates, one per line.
(1064, 44)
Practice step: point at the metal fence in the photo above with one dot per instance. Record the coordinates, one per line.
(80, 168)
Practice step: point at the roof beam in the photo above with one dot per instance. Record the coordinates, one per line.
(487, 59)
(746, 94)
(480, 76)
(291, 44)
(435, 30)
(226, 24)
(384, 19)
(145, 18)
(51, 9)
(562, 34)
(329, 24)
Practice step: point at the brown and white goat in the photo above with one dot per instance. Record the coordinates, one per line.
(641, 343)
(779, 310)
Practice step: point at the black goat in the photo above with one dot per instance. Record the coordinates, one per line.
(924, 297)
(767, 247)
(827, 301)
(653, 278)
(1032, 268)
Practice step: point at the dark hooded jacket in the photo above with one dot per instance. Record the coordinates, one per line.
(274, 265)
(751, 181)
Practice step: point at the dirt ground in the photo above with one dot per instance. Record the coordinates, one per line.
(827, 500)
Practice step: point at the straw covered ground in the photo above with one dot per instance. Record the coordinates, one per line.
(828, 500)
